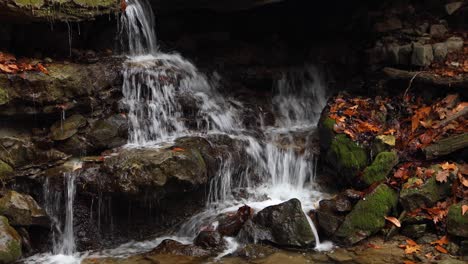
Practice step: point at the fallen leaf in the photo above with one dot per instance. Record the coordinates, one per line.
(442, 241)
(464, 209)
(177, 149)
(370, 245)
(393, 220)
(409, 262)
(449, 166)
(441, 249)
(42, 69)
(442, 176)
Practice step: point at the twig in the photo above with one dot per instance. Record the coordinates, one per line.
(410, 83)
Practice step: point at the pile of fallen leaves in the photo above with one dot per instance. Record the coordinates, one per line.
(9, 64)
(430, 250)
(415, 126)
(455, 64)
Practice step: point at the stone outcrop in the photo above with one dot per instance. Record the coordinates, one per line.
(10, 242)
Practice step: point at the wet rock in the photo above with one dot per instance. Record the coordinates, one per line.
(392, 53)
(4, 99)
(425, 195)
(438, 31)
(109, 133)
(209, 240)
(390, 24)
(231, 225)
(173, 247)
(440, 51)
(422, 55)
(10, 242)
(453, 7)
(255, 251)
(342, 204)
(341, 255)
(22, 210)
(454, 44)
(367, 216)
(136, 171)
(457, 224)
(284, 224)
(65, 10)
(380, 168)
(353, 194)
(328, 221)
(65, 129)
(414, 231)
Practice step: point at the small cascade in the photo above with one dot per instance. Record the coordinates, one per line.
(68, 237)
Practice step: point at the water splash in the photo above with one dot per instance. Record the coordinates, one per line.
(68, 237)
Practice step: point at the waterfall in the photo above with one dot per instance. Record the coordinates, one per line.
(68, 238)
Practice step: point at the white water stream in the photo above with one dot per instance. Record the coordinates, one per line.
(155, 83)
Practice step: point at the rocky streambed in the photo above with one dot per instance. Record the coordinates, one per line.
(256, 157)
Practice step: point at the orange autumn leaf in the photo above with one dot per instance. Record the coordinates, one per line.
(370, 245)
(123, 5)
(449, 166)
(442, 241)
(441, 249)
(393, 220)
(42, 69)
(464, 209)
(177, 149)
(420, 114)
(409, 262)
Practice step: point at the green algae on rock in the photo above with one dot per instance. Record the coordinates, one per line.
(10, 242)
(4, 99)
(6, 171)
(425, 195)
(457, 224)
(380, 168)
(367, 216)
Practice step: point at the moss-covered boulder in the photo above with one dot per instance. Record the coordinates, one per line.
(346, 157)
(3, 96)
(61, 10)
(284, 224)
(367, 216)
(22, 210)
(457, 224)
(325, 129)
(380, 168)
(65, 129)
(414, 196)
(5, 171)
(10, 242)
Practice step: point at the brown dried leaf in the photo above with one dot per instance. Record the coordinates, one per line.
(464, 209)
(393, 220)
(442, 241)
(441, 249)
(449, 166)
(442, 176)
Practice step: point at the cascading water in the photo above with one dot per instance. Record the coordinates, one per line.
(154, 86)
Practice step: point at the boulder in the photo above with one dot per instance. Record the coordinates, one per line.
(347, 158)
(453, 7)
(328, 220)
(59, 10)
(404, 54)
(284, 225)
(172, 247)
(10, 242)
(457, 224)
(108, 133)
(438, 30)
(380, 168)
(209, 240)
(65, 129)
(230, 225)
(414, 231)
(22, 210)
(425, 195)
(390, 24)
(136, 171)
(422, 54)
(454, 44)
(367, 216)
(440, 51)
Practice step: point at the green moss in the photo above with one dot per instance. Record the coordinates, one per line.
(425, 195)
(457, 224)
(326, 132)
(5, 171)
(329, 123)
(95, 3)
(347, 156)
(10, 242)
(367, 217)
(379, 169)
(4, 98)
(29, 3)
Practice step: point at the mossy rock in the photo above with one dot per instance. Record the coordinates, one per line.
(347, 157)
(4, 99)
(380, 168)
(62, 130)
(6, 171)
(10, 242)
(457, 224)
(22, 210)
(425, 195)
(367, 216)
(326, 133)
